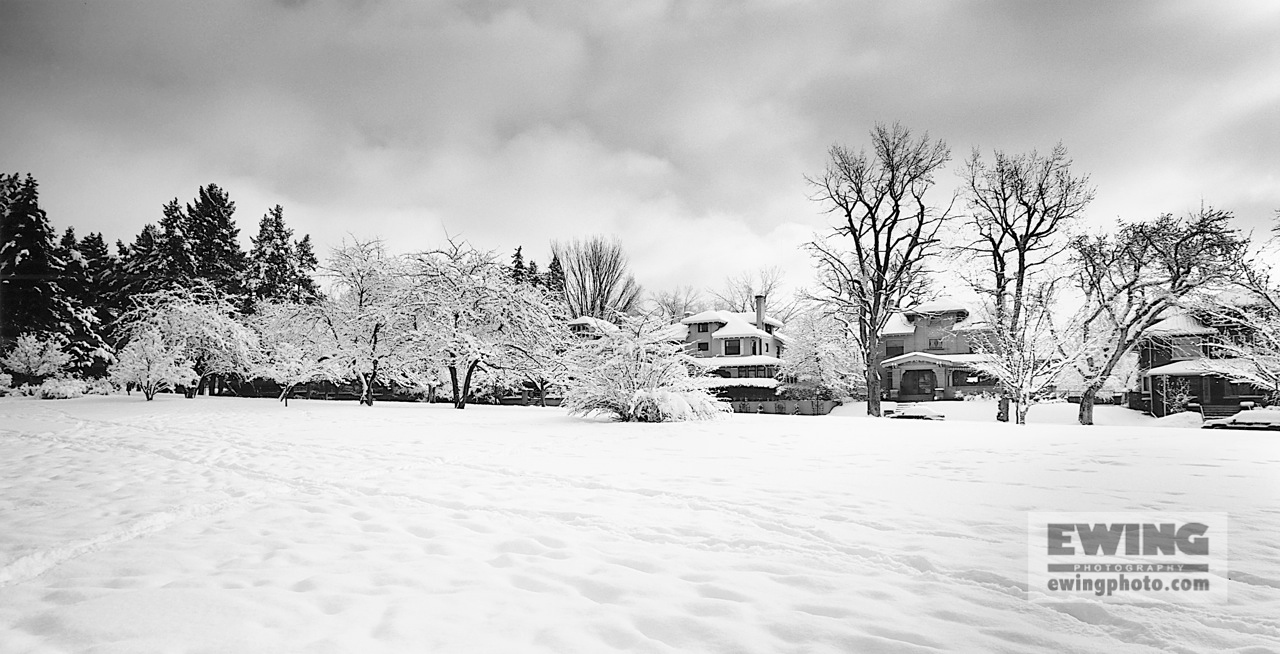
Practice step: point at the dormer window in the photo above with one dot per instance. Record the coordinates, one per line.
(702, 327)
(935, 344)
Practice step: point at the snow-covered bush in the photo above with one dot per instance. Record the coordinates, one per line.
(37, 358)
(60, 388)
(638, 374)
(99, 386)
(6, 383)
(152, 365)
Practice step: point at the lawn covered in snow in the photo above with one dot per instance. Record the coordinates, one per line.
(240, 525)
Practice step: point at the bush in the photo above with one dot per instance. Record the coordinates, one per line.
(6, 383)
(60, 389)
(660, 405)
(99, 386)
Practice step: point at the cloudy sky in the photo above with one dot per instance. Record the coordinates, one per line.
(683, 128)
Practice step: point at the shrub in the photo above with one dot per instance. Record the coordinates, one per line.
(6, 383)
(60, 388)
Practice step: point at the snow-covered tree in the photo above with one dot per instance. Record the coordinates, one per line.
(202, 325)
(295, 346)
(214, 241)
(85, 331)
(35, 358)
(152, 363)
(1131, 279)
(477, 317)
(672, 305)
(823, 357)
(1026, 357)
(372, 327)
(31, 300)
(636, 373)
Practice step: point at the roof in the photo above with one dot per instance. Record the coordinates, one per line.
(898, 325)
(965, 360)
(727, 317)
(943, 305)
(730, 382)
(1179, 325)
(750, 360)
(1230, 367)
(594, 323)
(673, 332)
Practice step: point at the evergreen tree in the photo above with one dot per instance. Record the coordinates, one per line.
(280, 269)
(305, 263)
(85, 338)
(517, 266)
(176, 245)
(533, 276)
(102, 293)
(30, 298)
(555, 275)
(214, 241)
(143, 266)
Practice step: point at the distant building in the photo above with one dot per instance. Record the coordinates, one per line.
(743, 349)
(928, 354)
(1177, 358)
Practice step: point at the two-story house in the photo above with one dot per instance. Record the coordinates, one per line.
(927, 354)
(742, 348)
(1177, 359)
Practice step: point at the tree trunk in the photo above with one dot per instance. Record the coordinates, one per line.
(284, 395)
(366, 388)
(873, 391)
(1086, 405)
(461, 402)
(453, 381)
(1021, 415)
(1002, 410)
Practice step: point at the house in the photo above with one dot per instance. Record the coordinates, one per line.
(588, 327)
(927, 353)
(1179, 365)
(743, 349)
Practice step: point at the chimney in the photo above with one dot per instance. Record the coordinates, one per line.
(760, 312)
(687, 314)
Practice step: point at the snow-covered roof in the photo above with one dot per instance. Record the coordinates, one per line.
(731, 382)
(1225, 367)
(943, 305)
(727, 317)
(945, 359)
(750, 360)
(673, 332)
(898, 325)
(971, 326)
(739, 329)
(1179, 325)
(594, 323)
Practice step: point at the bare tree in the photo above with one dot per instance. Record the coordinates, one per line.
(1131, 279)
(673, 304)
(1019, 209)
(889, 229)
(738, 293)
(597, 279)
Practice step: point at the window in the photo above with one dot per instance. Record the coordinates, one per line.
(732, 347)
(704, 346)
(768, 329)
(935, 344)
(755, 346)
(766, 348)
(702, 327)
(893, 349)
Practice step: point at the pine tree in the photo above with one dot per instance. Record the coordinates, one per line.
(143, 267)
(518, 271)
(305, 264)
(30, 298)
(533, 276)
(85, 338)
(214, 241)
(555, 275)
(280, 269)
(176, 244)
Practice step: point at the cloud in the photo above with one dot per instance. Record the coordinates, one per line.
(684, 128)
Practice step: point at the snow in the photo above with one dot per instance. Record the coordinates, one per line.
(949, 359)
(746, 360)
(1179, 325)
(898, 325)
(943, 305)
(238, 525)
(726, 317)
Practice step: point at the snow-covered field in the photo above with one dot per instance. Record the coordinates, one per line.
(236, 525)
